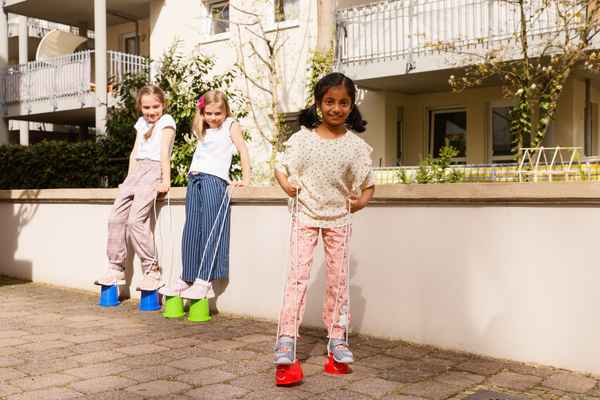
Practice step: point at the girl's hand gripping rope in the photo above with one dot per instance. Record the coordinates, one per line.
(355, 203)
(163, 187)
(292, 188)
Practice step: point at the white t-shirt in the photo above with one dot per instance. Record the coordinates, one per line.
(214, 155)
(150, 149)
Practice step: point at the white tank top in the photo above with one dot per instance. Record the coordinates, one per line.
(214, 155)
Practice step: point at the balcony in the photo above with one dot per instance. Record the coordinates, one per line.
(61, 89)
(394, 34)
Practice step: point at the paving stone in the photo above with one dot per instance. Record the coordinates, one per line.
(364, 351)
(279, 393)
(86, 338)
(245, 367)
(482, 367)
(97, 356)
(43, 381)
(152, 373)
(374, 386)
(47, 366)
(570, 383)
(48, 394)
(382, 344)
(256, 338)
(321, 383)
(158, 389)
(342, 394)
(206, 377)
(187, 352)
(102, 384)
(45, 355)
(380, 362)
(115, 395)
(514, 381)
(179, 342)
(405, 375)
(407, 352)
(431, 364)
(42, 346)
(431, 390)
(395, 396)
(12, 342)
(197, 363)
(7, 374)
(594, 392)
(258, 381)
(7, 390)
(222, 345)
(97, 370)
(530, 370)
(450, 355)
(263, 347)
(46, 336)
(141, 349)
(236, 355)
(460, 379)
(218, 392)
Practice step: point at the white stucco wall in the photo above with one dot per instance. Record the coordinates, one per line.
(503, 270)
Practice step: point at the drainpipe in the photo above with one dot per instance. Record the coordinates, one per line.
(588, 120)
(23, 59)
(137, 28)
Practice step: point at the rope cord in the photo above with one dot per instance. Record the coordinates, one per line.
(284, 268)
(212, 263)
(337, 294)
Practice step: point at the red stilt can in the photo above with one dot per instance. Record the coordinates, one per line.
(331, 367)
(287, 374)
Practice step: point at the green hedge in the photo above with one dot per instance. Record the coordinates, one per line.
(53, 165)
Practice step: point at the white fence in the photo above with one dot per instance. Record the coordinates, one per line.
(68, 75)
(396, 28)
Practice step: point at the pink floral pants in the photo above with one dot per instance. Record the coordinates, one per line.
(333, 241)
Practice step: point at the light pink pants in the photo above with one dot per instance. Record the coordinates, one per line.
(130, 216)
(333, 242)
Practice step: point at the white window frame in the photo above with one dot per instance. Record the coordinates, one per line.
(272, 25)
(431, 112)
(124, 37)
(491, 159)
(209, 23)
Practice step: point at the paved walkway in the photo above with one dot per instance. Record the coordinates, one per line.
(59, 344)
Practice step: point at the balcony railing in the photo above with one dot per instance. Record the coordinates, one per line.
(398, 28)
(68, 75)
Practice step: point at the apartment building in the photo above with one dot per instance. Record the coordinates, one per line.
(403, 89)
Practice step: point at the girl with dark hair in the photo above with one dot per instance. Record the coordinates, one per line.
(328, 169)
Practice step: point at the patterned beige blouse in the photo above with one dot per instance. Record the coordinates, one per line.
(329, 170)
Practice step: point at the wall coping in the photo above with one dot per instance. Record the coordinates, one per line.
(540, 192)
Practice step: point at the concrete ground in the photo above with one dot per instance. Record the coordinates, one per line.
(59, 344)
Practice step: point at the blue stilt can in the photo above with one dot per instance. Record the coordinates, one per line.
(149, 301)
(109, 296)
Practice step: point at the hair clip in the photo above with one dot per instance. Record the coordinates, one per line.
(320, 77)
(201, 103)
(356, 87)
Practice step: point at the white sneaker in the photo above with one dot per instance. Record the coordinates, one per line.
(111, 277)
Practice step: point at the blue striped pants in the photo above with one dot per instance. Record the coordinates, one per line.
(202, 201)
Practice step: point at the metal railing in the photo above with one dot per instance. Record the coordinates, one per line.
(42, 27)
(588, 170)
(121, 64)
(68, 75)
(396, 28)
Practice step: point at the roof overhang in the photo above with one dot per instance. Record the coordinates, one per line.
(72, 12)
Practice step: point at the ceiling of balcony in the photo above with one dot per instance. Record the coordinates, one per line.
(71, 12)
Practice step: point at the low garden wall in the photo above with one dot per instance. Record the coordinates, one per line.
(503, 270)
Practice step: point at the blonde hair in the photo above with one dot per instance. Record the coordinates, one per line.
(156, 92)
(199, 125)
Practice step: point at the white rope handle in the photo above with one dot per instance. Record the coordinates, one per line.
(337, 294)
(212, 263)
(287, 250)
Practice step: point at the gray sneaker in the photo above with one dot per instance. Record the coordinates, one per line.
(284, 351)
(341, 352)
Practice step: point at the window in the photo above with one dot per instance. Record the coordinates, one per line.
(129, 43)
(451, 125)
(217, 21)
(286, 10)
(289, 126)
(499, 137)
